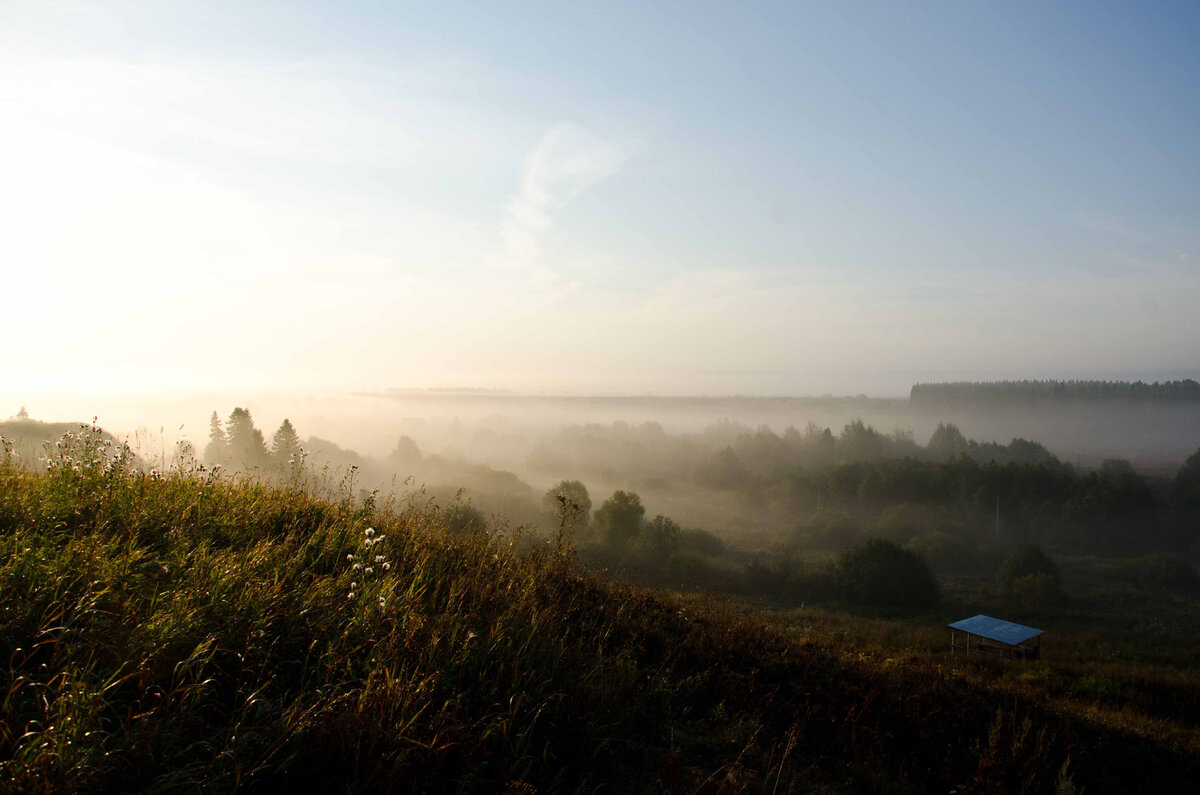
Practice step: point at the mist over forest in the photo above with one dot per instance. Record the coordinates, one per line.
(1085, 466)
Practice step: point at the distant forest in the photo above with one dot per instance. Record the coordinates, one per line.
(972, 392)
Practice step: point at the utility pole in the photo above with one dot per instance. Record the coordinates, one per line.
(997, 518)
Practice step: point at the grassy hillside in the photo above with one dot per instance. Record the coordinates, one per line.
(185, 632)
(28, 438)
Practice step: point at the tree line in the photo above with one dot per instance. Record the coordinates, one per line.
(974, 392)
(237, 444)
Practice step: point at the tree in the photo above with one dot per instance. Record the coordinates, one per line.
(819, 446)
(883, 574)
(217, 450)
(946, 442)
(406, 454)
(568, 502)
(723, 471)
(1187, 482)
(285, 446)
(660, 537)
(247, 448)
(620, 517)
(860, 442)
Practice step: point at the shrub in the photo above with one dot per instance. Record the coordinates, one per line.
(883, 574)
(689, 568)
(948, 554)
(1030, 580)
(1165, 572)
(463, 517)
(901, 523)
(1025, 560)
(1034, 592)
(702, 541)
(829, 529)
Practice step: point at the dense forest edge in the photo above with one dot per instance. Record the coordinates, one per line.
(947, 394)
(270, 621)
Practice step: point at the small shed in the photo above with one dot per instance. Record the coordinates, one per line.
(994, 636)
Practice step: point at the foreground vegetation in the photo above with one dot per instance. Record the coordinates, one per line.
(181, 631)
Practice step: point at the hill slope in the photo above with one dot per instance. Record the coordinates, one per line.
(185, 632)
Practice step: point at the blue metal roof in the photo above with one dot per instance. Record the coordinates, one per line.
(996, 629)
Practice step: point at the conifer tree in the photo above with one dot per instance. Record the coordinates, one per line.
(247, 447)
(217, 449)
(285, 445)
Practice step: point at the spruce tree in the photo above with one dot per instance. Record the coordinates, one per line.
(247, 447)
(217, 450)
(285, 445)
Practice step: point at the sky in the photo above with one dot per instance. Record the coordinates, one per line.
(619, 198)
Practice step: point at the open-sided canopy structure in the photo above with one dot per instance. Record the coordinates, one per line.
(995, 636)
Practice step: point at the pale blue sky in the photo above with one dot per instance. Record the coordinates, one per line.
(757, 198)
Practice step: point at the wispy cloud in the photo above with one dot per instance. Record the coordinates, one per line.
(567, 161)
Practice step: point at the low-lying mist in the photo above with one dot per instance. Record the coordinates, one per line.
(816, 472)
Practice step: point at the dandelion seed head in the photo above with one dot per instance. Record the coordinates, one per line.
(351, 595)
(370, 531)
(386, 566)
